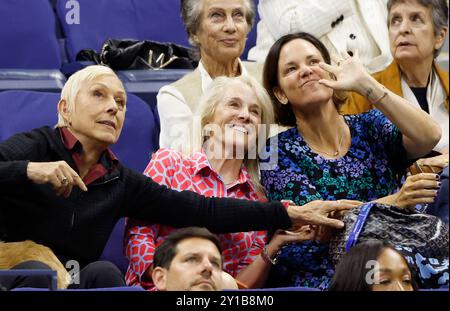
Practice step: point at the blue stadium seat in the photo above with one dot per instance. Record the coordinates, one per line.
(146, 83)
(251, 37)
(28, 35)
(133, 19)
(25, 110)
(30, 56)
(44, 80)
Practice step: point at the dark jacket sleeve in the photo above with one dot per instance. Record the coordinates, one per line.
(16, 152)
(149, 201)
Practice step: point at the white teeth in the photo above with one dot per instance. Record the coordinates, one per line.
(240, 129)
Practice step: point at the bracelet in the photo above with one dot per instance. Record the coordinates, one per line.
(267, 258)
(287, 203)
(377, 100)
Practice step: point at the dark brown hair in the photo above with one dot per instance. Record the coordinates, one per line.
(283, 113)
(351, 271)
(165, 252)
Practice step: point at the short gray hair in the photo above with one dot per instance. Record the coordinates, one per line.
(75, 82)
(439, 13)
(191, 11)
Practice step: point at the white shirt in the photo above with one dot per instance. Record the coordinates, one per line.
(334, 22)
(176, 117)
(436, 97)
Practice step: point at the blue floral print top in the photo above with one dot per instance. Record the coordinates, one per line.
(368, 171)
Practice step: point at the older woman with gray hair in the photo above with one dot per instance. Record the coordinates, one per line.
(417, 30)
(218, 29)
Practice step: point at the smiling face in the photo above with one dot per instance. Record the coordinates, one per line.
(411, 32)
(197, 266)
(393, 273)
(236, 118)
(299, 73)
(223, 29)
(99, 112)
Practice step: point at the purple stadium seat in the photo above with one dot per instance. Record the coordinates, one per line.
(132, 19)
(28, 35)
(25, 110)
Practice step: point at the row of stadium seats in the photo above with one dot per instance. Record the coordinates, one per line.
(41, 38)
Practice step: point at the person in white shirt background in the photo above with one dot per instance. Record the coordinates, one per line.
(342, 25)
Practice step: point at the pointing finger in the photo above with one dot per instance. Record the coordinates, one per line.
(328, 83)
(79, 182)
(340, 205)
(330, 222)
(328, 67)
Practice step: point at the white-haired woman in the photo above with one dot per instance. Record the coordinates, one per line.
(235, 114)
(65, 189)
(218, 29)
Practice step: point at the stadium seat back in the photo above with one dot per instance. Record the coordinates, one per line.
(28, 35)
(132, 19)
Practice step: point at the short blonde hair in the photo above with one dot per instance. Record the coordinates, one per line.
(208, 106)
(74, 83)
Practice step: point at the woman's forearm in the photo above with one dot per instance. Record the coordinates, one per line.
(255, 275)
(420, 132)
(389, 200)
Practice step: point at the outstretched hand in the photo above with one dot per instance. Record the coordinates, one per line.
(319, 212)
(283, 237)
(59, 174)
(348, 71)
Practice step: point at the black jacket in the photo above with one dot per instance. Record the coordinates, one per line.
(78, 227)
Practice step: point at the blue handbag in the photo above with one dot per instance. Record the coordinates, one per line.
(421, 238)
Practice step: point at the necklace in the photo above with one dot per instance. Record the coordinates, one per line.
(334, 154)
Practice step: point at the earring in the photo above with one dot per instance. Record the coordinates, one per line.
(285, 101)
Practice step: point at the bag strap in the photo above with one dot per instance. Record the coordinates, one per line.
(358, 225)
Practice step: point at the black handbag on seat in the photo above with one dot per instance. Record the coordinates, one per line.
(125, 54)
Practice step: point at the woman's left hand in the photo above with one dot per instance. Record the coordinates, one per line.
(417, 189)
(283, 237)
(349, 73)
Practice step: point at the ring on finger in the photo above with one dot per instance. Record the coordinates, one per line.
(64, 181)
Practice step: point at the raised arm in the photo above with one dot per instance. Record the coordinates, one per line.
(420, 132)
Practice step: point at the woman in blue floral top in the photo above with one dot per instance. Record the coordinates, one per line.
(328, 156)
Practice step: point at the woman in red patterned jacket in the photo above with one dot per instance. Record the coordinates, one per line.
(225, 164)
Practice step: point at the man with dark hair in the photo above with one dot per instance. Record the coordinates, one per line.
(190, 259)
